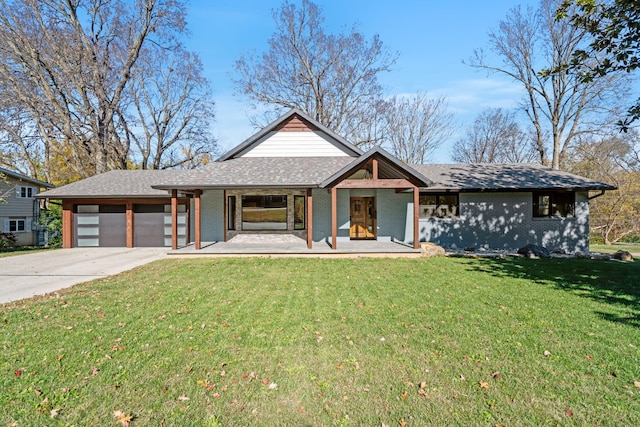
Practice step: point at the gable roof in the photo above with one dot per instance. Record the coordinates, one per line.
(389, 166)
(25, 178)
(266, 172)
(255, 139)
(504, 177)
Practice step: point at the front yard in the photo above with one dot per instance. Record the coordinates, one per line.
(346, 342)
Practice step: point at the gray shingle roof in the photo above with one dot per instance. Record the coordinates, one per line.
(25, 178)
(506, 176)
(117, 183)
(258, 172)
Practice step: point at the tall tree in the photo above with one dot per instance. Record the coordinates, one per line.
(69, 66)
(415, 126)
(494, 137)
(332, 77)
(562, 105)
(614, 159)
(616, 40)
(173, 111)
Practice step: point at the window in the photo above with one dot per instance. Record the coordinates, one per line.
(299, 213)
(264, 212)
(16, 225)
(438, 205)
(231, 212)
(25, 192)
(548, 204)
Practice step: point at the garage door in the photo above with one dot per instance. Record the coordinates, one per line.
(152, 225)
(100, 225)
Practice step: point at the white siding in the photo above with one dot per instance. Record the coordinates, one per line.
(295, 144)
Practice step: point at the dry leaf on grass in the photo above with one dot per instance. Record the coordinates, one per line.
(122, 418)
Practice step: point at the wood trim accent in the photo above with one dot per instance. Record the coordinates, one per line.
(309, 218)
(225, 209)
(375, 183)
(67, 224)
(334, 217)
(198, 229)
(295, 124)
(375, 169)
(129, 222)
(174, 219)
(416, 218)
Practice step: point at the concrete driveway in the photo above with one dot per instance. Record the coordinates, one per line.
(24, 276)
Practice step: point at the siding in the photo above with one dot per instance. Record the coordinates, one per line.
(212, 216)
(13, 207)
(294, 144)
(505, 221)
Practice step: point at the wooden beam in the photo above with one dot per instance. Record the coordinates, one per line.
(334, 217)
(375, 183)
(375, 169)
(67, 224)
(130, 225)
(309, 218)
(416, 218)
(174, 219)
(197, 221)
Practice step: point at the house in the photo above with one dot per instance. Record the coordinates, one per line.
(19, 208)
(298, 178)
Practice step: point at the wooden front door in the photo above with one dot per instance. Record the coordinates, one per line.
(363, 218)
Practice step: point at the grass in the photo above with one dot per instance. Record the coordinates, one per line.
(344, 342)
(609, 249)
(21, 250)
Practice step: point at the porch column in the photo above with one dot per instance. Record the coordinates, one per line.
(67, 224)
(197, 219)
(130, 224)
(174, 219)
(309, 219)
(416, 218)
(334, 217)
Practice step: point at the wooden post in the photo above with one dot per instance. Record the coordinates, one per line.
(416, 218)
(130, 224)
(334, 217)
(67, 224)
(309, 219)
(375, 169)
(174, 219)
(197, 220)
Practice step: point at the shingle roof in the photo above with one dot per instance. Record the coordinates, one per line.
(258, 172)
(506, 176)
(117, 183)
(25, 178)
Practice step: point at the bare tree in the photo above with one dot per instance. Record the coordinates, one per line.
(173, 110)
(332, 77)
(494, 137)
(415, 126)
(561, 104)
(68, 63)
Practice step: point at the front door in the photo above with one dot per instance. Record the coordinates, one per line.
(363, 218)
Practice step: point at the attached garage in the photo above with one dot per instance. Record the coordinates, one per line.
(102, 225)
(152, 225)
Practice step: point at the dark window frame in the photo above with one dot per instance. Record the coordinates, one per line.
(231, 212)
(561, 204)
(440, 209)
(269, 202)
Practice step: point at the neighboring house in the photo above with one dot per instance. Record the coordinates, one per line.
(19, 209)
(297, 177)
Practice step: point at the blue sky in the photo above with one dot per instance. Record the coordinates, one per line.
(432, 38)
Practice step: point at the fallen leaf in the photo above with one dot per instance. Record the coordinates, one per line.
(636, 384)
(53, 413)
(483, 384)
(404, 395)
(265, 381)
(37, 392)
(497, 375)
(463, 378)
(122, 418)
(402, 423)
(356, 365)
(421, 392)
(17, 372)
(183, 398)
(546, 353)
(569, 413)
(423, 384)
(273, 386)
(94, 372)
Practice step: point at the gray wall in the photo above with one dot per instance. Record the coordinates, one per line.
(505, 221)
(12, 207)
(212, 216)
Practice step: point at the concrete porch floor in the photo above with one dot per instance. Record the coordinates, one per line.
(277, 245)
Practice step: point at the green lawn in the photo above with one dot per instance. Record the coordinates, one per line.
(323, 342)
(609, 249)
(21, 250)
